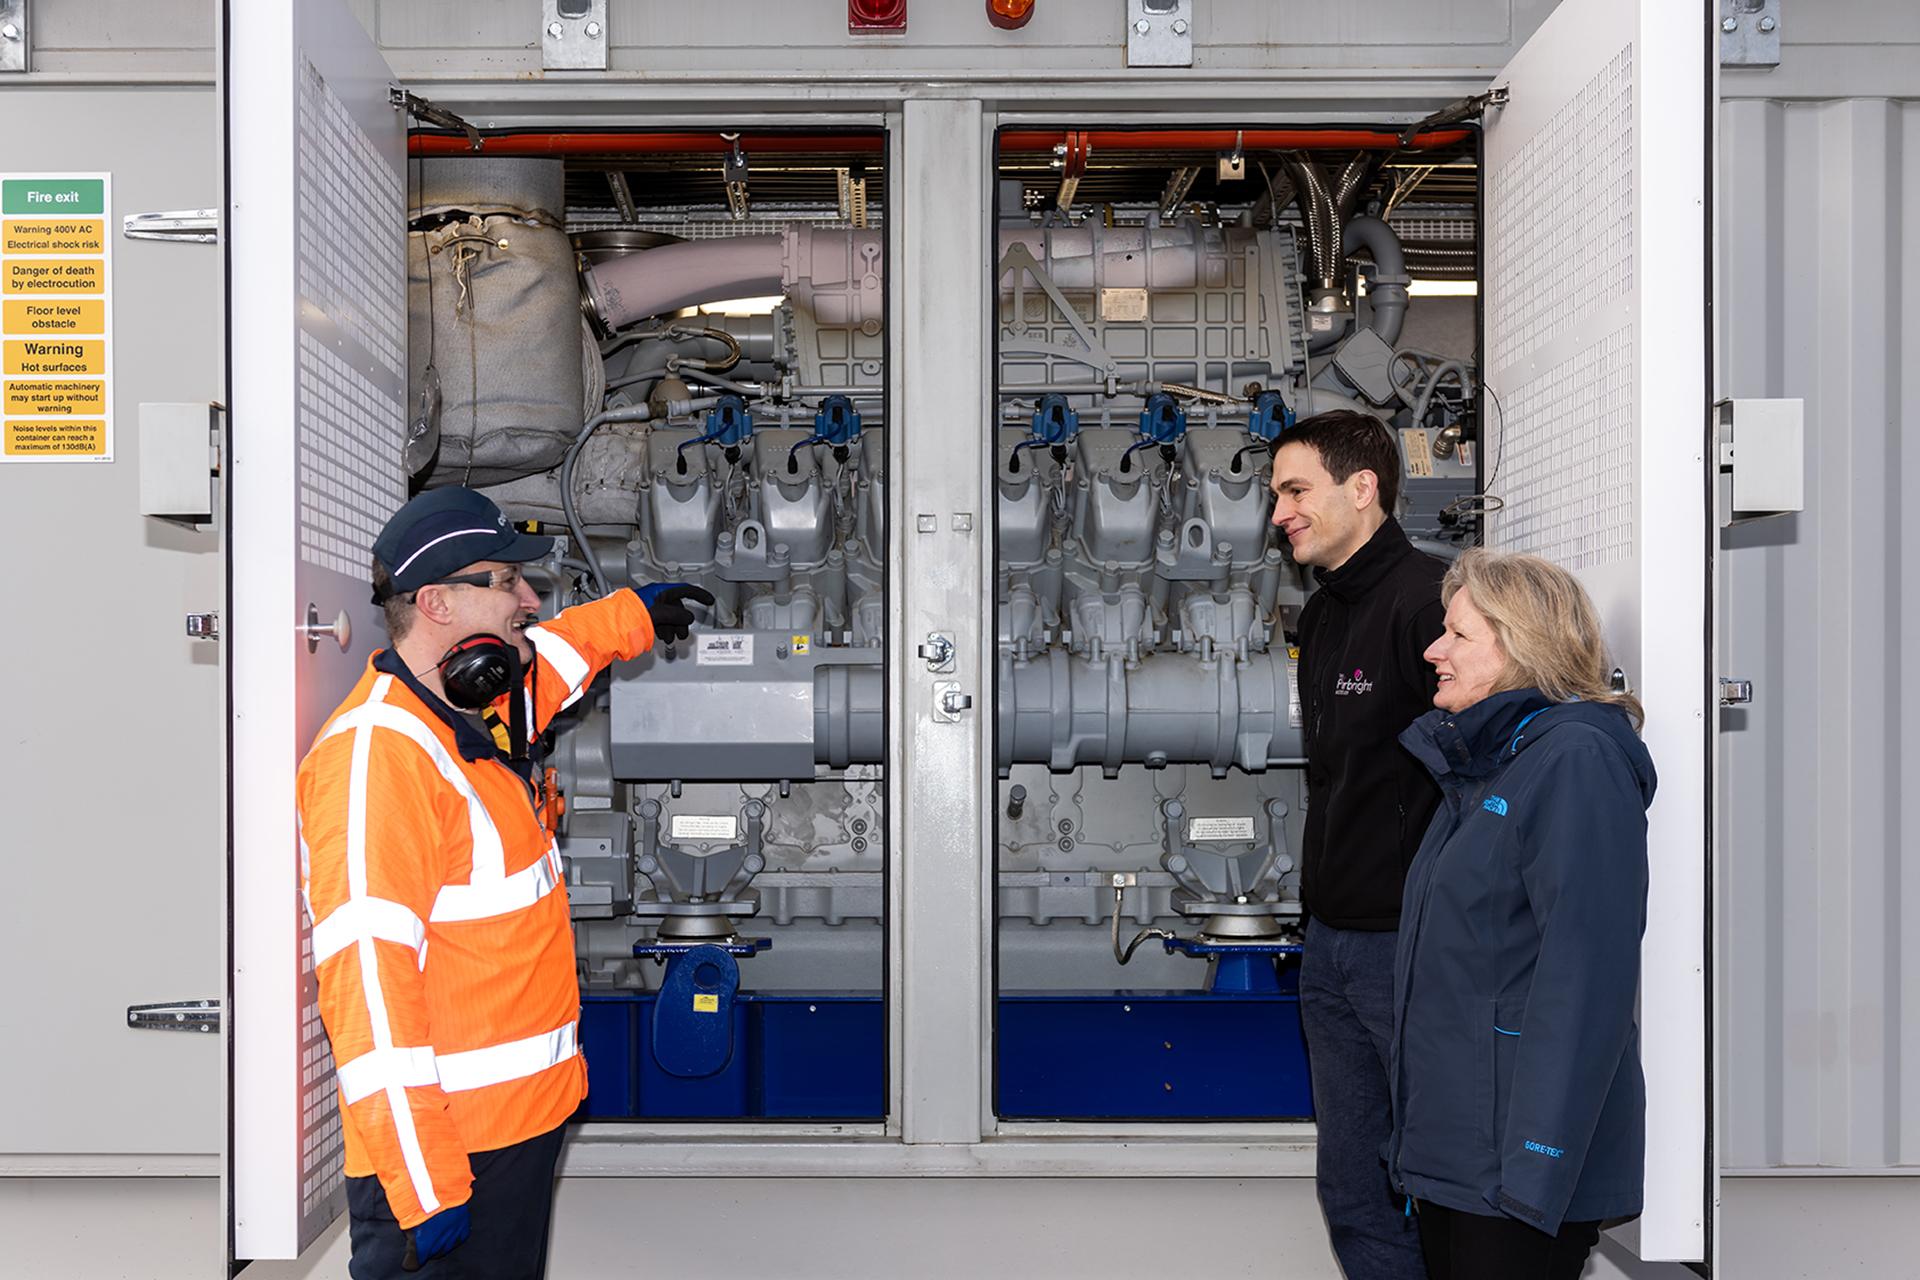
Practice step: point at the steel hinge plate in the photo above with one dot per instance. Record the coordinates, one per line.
(1749, 33)
(13, 35)
(187, 226)
(175, 1015)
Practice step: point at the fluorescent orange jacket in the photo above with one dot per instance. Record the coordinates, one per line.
(440, 926)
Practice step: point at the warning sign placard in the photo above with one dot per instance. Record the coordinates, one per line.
(56, 317)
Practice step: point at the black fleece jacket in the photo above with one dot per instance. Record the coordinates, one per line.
(1363, 681)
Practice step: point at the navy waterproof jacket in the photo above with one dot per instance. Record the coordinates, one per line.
(1516, 1061)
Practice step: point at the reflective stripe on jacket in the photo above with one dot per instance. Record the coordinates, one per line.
(441, 937)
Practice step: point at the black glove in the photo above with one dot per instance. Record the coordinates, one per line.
(667, 604)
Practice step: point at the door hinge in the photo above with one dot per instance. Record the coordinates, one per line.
(175, 1015)
(203, 626)
(420, 109)
(1735, 693)
(13, 35)
(188, 226)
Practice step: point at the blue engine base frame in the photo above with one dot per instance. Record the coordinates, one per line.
(1093, 1055)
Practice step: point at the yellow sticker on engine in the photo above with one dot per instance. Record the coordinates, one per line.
(706, 1004)
(802, 644)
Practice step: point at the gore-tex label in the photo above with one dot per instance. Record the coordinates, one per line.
(705, 826)
(724, 649)
(1204, 829)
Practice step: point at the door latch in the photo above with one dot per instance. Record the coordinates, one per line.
(937, 651)
(949, 702)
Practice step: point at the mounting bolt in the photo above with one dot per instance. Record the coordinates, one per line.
(1143, 26)
(555, 30)
(10, 30)
(1768, 24)
(1729, 25)
(593, 31)
(1179, 26)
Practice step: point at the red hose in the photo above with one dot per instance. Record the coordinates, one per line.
(573, 144)
(1013, 142)
(1024, 142)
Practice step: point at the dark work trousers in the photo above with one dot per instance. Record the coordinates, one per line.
(512, 1207)
(1346, 1010)
(1477, 1246)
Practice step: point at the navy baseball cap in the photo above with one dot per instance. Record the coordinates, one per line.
(442, 531)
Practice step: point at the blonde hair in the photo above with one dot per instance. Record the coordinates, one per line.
(1546, 624)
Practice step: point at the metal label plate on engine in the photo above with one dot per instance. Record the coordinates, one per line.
(1200, 830)
(724, 649)
(703, 826)
(1419, 449)
(1123, 304)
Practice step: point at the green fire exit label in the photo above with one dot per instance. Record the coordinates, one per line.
(53, 195)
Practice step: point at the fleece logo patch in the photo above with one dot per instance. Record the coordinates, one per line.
(1543, 1149)
(1495, 804)
(1355, 684)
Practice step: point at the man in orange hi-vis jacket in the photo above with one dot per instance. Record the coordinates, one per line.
(440, 924)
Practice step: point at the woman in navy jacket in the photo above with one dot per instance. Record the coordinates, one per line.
(1518, 1106)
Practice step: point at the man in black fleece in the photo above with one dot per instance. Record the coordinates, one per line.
(1336, 477)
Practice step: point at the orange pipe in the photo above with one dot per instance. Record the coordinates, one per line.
(1024, 142)
(570, 144)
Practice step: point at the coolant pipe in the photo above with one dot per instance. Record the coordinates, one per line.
(1387, 282)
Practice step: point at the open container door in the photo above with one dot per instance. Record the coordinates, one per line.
(1596, 349)
(317, 375)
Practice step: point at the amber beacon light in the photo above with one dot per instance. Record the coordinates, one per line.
(876, 17)
(1010, 14)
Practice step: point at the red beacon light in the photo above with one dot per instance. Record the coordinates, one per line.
(876, 17)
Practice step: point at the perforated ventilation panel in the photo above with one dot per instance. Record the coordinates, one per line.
(322, 1147)
(350, 424)
(351, 388)
(1567, 475)
(1564, 434)
(1561, 222)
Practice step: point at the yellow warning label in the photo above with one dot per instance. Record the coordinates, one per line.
(56, 438)
(706, 1004)
(56, 275)
(55, 315)
(53, 235)
(802, 644)
(51, 356)
(67, 398)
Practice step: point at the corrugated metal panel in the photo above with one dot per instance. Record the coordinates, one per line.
(1820, 298)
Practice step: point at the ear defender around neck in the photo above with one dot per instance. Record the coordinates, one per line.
(477, 672)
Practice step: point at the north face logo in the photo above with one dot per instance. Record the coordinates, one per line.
(1357, 683)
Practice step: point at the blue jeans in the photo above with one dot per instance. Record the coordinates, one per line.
(1346, 1010)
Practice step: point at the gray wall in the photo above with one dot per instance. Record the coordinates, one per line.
(1820, 856)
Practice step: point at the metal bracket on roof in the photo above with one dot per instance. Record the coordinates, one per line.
(420, 109)
(1749, 33)
(1471, 108)
(13, 35)
(573, 35)
(1159, 33)
(733, 171)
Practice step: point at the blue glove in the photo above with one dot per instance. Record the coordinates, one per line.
(438, 1236)
(666, 604)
